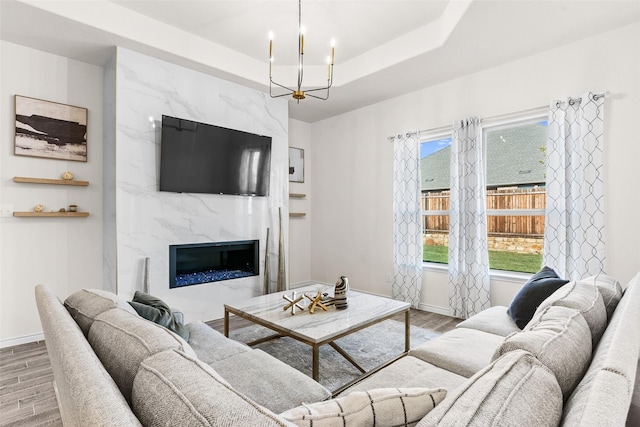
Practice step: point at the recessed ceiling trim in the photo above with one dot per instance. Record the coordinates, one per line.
(403, 48)
(125, 23)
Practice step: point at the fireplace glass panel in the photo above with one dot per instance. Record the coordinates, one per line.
(197, 263)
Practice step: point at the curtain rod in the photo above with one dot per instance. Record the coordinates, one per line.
(578, 100)
(501, 117)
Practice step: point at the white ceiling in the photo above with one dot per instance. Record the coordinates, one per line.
(384, 48)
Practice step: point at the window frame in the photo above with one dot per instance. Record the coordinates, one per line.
(490, 124)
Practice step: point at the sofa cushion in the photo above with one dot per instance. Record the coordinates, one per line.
(561, 339)
(609, 288)
(257, 374)
(535, 290)
(515, 390)
(409, 371)
(494, 320)
(584, 298)
(175, 389)
(604, 394)
(462, 351)
(381, 406)
(85, 304)
(210, 345)
(156, 310)
(122, 340)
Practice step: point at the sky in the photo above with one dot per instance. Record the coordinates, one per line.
(428, 148)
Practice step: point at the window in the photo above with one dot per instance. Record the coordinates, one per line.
(515, 194)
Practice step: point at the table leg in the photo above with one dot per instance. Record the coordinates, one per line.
(407, 332)
(226, 323)
(315, 372)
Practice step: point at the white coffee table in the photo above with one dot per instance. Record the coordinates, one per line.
(321, 327)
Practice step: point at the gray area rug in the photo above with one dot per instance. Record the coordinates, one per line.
(370, 347)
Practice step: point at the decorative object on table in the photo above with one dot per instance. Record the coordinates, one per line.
(73, 208)
(265, 286)
(293, 303)
(316, 302)
(281, 272)
(49, 129)
(67, 176)
(327, 300)
(38, 208)
(296, 164)
(341, 293)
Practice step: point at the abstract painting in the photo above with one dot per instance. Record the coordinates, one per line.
(296, 164)
(50, 130)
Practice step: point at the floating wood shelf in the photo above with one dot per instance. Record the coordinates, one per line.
(296, 214)
(297, 195)
(50, 214)
(27, 180)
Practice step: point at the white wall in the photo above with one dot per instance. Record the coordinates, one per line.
(300, 227)
(63, 253)
(352, 158)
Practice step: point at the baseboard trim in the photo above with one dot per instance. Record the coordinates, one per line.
(434, 309)
(21, 340)
(294, 286)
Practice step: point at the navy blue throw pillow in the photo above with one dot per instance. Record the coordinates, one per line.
(530, 296)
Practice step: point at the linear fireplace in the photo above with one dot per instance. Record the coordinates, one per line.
(197, 263)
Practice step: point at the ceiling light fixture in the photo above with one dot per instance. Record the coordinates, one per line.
(298, 93)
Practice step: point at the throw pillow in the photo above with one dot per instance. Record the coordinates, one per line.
(530, 296)
(381, 406)
(157, 311)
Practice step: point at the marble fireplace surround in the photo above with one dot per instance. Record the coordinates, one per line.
(141, 222)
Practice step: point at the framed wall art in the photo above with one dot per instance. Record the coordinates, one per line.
(296, 164)
(50, 130)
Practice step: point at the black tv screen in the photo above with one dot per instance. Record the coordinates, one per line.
(201, 158)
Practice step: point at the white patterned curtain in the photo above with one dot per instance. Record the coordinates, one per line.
(574, 218)
(468, 253)
(407, 220)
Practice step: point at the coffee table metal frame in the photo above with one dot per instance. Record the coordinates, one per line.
(267, 311)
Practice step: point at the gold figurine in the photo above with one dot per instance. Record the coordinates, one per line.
(316, 302)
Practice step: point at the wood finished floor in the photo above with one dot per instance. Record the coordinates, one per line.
(26, 388)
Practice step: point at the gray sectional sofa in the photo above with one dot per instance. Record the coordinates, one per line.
(573, 364)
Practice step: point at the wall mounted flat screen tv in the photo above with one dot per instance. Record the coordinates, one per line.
(201, 158)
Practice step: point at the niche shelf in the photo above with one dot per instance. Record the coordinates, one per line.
(31, 214)
(51, 214)
(27, 180)
(297, 196)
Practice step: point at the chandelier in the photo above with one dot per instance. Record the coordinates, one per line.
(297, 92)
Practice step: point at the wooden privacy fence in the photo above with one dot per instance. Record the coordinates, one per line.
(497, 225)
